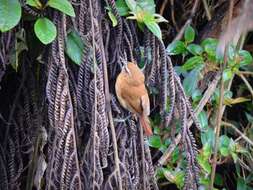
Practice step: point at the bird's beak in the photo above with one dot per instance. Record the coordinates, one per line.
(125, 68)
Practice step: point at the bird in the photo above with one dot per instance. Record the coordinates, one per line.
(133, 95)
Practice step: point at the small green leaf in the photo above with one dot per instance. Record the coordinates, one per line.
(241, 184)
(176, 47)
(231, 101)
(249, 117)
(63, 6)
(196, 96)
(10, 14)
(204, 163)
(231, 52)
(210, 46)
(34, 3)
(74, 47)
(208, 136)
(131, 5)
(246, 58)
(113, 19)
(207, 150)
(155, 141)
(203, 120)
(195, 49)
(227, 74)
(189, 34)
(190, 81)
(45, 30)
(154, 28)
(193, 62)
(224, 145)
(122, 7)
(218, 179)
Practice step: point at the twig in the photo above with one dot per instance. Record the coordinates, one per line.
(208, 14)
(109, 111)
(163, 7)
(238, 131)
(246, 83)
(142, 157)
(220, 107)
(188, 22)
(198, 109)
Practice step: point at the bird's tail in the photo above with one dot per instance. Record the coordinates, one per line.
(144, 121)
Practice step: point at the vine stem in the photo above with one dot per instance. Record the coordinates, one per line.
(220, 107)
(95, 91)
(109, 111)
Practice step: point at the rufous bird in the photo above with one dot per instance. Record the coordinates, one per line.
(132, 94)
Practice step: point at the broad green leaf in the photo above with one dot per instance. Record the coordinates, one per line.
(74, 47)
(196, 96)
(45, 30)
(155, 141)
(224, 145)
(210, 46)
(34, 3)
(176, 47)
(207, 150)
(10, 14)
(193, 62)
(122, 7)
(204, 163)
(113, 19)
(63, 6)
(190, 81)
(246, 57)
(131, 5)
(203, 120)
(227, 74)
(154, 28)
(195, 49)
(241, 184)
(147, 5)
(208, 136)
(189, 34)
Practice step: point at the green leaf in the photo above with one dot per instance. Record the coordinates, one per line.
(224, 145)
(74, 47)
(122, 7)
(195, 49)
(113, 19)
(210, 45)
(249, 117)
(204, 163)
(10, 14)
(34, 3)
(190, 81)
(196, 96)
(154, 28)
(147, 5)
(227, 74)
(246, 58)
(203, 120)
(241, 184)
(231, 101)
(155, 141)
(131, 5)
(45, 30)
(207, 150)
(176, 47)
(193, 62)
(189, 34)
(218, 179)
(159, 18)
(208, 136)
(63, 6)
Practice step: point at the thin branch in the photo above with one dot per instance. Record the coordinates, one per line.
(246, 83)
(238, 131)
(220, 107)
(209, 92)
(208, 14)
